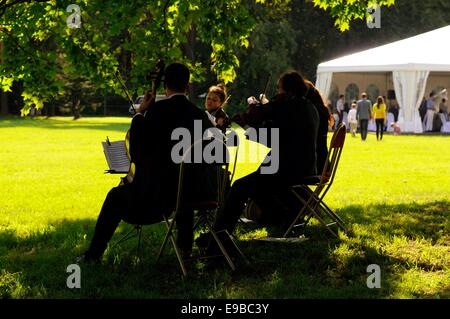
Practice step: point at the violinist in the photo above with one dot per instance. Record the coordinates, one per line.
(153, 189)
(297, 120)
(214, 104)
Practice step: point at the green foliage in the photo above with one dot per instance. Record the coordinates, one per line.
(27, 33)
(272, 48)
(121, 37)
(6, 83)
(317, 40)
(126, 38)
(344, 11)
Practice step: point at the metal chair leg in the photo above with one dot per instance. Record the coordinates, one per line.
(236, 247)
(333, 216)
(300, 214)
(179, 257)
(168, 234)
(223, 250)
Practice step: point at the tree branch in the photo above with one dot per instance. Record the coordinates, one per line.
(20, 47)
(5, 4)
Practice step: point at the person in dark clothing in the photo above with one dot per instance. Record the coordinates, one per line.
(394, 110)
(153, 189)
(422, 108)
(280, 207)
(364, 114)
(297, 120)
(340, 108)
(325, 117)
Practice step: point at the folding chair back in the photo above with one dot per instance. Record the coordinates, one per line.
(334, 155)
(312, 201)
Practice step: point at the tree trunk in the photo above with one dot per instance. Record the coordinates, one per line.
(4, 103)
(3, 96)
(76, 98)
(105, 105)
(189, 51)
(76, 109)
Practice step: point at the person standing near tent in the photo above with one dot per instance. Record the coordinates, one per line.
(340, 108)
(352, 120)
(443, 108)
(429, 116)
(363, 114)
(379, 115)
(423, 108)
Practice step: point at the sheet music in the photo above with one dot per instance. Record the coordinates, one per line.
(116, 157)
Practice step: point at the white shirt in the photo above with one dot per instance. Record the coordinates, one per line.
(352, 116)
(174, 94)
(340, 105)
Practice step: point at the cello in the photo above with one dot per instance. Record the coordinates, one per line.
(155, 78)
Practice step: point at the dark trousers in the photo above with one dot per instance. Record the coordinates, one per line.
(380, 128)
(341, 116)
(118, 206)
(256, 186)
(363, 124)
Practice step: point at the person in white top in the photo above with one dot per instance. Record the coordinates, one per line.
(352, 120)
(340, 108)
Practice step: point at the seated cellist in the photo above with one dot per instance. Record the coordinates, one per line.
(153, 189)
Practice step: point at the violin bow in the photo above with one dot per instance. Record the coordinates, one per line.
(124, 88)
(226, 101)
(267, 84)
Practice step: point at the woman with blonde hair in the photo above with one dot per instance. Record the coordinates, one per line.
(215, 101)
(379, 115)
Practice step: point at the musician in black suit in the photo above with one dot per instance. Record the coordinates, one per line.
(297, 120)
(153, 189)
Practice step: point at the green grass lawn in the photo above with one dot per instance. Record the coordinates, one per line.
(393, 195)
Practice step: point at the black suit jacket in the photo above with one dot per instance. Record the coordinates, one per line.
(298, 123)
(151, 144)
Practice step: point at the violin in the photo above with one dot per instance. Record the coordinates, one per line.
(155, 78)
(254, 115)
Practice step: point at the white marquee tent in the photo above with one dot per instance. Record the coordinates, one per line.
(410, 60)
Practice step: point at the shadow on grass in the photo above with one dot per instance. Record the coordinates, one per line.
(35, 266)
(327, 267)
(320, 267)
(49, 123)
(430, 220)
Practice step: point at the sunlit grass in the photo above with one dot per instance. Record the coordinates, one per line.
(393, 196)
(53, 169)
